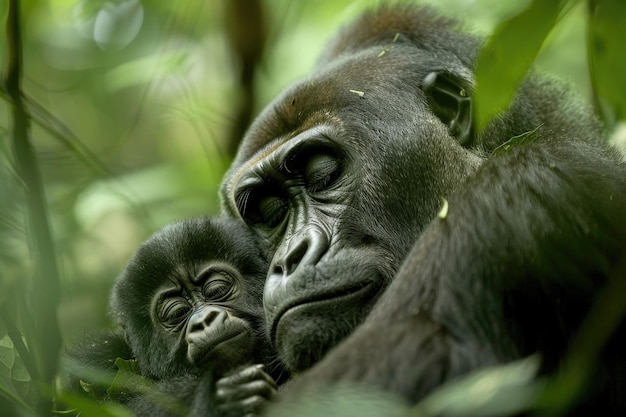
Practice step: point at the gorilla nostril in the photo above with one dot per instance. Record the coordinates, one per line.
(278, 270)
(295, 256)
(203, 319)
(210, 317)
(305, 248)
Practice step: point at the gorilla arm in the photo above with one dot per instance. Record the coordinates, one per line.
(243, 392)
(93, 372)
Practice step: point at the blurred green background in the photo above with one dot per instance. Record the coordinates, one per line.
(152, 90)
(153, 96)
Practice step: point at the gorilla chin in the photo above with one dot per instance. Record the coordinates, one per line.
(223, 350)
(303, 328)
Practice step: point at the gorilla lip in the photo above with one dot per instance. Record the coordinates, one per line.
(203, 355)
(360, 290)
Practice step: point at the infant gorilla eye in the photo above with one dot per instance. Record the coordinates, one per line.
(173, 312)
(219, 287)
(321, 171)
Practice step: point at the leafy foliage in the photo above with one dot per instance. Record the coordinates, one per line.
(607, 61)
(507, 56)
(130, 129)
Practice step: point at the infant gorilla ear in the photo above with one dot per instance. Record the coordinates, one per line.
(190, 305)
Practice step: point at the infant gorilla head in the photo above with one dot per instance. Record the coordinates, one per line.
(189, 300)
(190, 305)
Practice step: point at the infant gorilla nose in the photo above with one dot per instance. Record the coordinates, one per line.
(189, 303)
(214, 333)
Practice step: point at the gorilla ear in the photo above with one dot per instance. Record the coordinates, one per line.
(451, 103)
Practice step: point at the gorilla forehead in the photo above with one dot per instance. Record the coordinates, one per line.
(181, 250)
(356, 96)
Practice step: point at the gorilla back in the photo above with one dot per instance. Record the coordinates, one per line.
(343, 177)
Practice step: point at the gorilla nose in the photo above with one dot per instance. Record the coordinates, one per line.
(303, 249)
(205, 318)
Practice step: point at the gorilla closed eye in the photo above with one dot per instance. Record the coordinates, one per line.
(272, 209)
(261, 206)
(318, 160)
(173, 312)
(218, 288)
(321, 171)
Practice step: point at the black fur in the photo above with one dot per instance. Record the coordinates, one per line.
(343, 177)
(206, 277)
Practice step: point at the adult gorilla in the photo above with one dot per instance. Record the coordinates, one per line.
(344, 174)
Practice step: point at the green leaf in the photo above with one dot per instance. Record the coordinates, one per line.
(91, 408)
(443, 213)
(607, 60)
(7, 353)
(8, 390)
(128, 378)
(341, 400)
(505, 59)
(128, 365)
(503, 390)
(19, 372)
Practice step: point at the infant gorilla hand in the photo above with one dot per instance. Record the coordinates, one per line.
(244, 392)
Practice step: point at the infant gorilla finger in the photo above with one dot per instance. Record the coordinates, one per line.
(257, 388)
(244, 392)
(248, 374)
(251, 406)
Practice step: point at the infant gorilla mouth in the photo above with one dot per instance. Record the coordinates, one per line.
(222, 345)
(190, 306)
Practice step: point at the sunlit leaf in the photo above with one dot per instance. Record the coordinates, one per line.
(503, 390)
(607, 32)
(7, 354)
(507, 56)
(443, 213)
(341, 400)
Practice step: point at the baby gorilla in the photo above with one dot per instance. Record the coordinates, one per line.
(189, 303)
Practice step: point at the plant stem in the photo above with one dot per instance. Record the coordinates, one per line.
(45, 293)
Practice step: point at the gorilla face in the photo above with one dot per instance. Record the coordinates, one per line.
(190, 299)
(200, 313)
(339, 176)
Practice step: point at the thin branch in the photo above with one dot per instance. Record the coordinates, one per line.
(45, 292)
(247, 36)
(595, 98)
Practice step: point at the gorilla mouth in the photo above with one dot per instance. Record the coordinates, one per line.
(224, 340)
(203, 355)
(348, 295)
